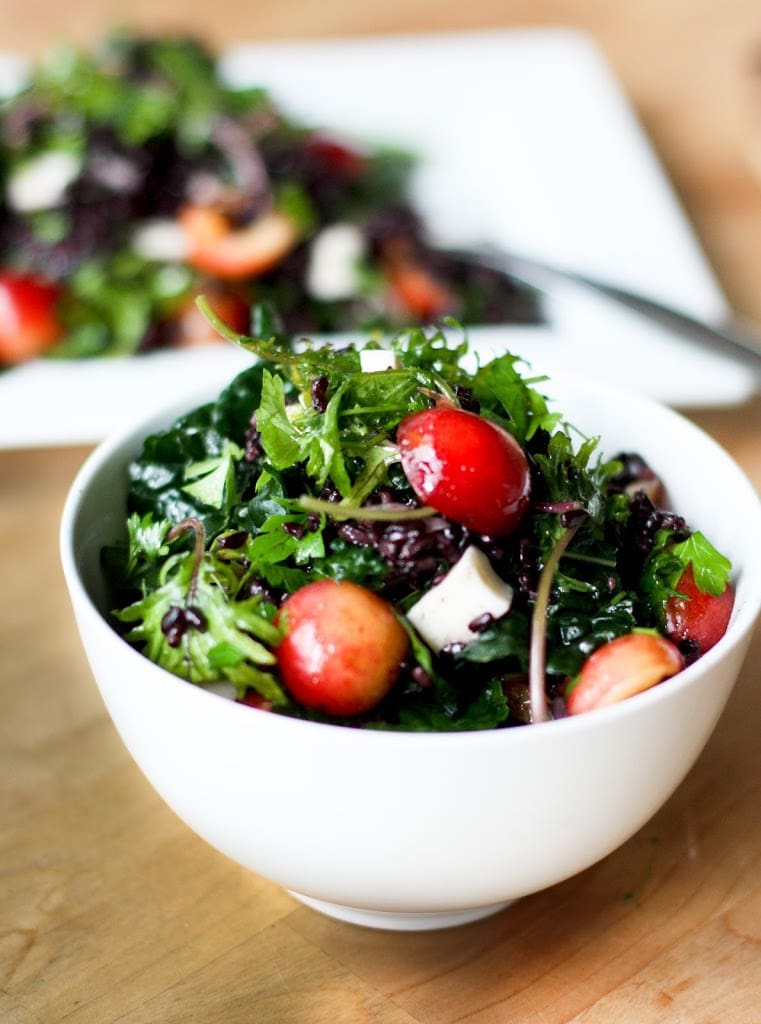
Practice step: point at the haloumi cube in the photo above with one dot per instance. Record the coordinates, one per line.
(41, 182)
(375, 360)
(334, 256)
(470, 589)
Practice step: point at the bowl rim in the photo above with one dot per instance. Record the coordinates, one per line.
(132, 436)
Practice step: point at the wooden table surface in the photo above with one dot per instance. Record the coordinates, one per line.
(111, 910)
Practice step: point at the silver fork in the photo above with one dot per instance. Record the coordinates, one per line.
(744, 346)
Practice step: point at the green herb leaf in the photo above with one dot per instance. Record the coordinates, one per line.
(282, 441)
(228, 645)
(214, 479)
(710, 568)
(501, 389)
(667, 562)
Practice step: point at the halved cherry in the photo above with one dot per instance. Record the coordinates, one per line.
(28, 321)
(465, 467)
(343, 647)
(622, 667)
(217, 248)
(698, 618)
(415, 290)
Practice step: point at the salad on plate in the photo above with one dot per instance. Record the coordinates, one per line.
(133, 179)
(405, 537)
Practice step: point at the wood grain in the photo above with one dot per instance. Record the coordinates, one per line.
(112, 911)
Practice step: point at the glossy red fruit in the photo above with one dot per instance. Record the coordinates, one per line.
(622, 667)
(415, 291)
(466, 468)
(216, 248)
(28, 321)
(698, 618)
(343, 647)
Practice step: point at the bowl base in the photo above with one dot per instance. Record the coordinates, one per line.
(400, 921)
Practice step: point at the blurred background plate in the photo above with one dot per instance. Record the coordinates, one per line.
(525, 140)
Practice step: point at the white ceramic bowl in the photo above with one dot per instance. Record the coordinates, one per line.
(409, 830)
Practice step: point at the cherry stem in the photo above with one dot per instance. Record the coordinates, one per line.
(191, 523)
(537, 674)
(388, 513)
(441, 401)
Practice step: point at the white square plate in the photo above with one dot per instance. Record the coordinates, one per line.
(525, 140)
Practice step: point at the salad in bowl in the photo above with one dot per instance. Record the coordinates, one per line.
(382, 626)
(385, 538)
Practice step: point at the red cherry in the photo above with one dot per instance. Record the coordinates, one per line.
(334, 157)
(698, 617)
(343, 647)
(233, 254)
(622, 667)
(415, 291)
(28, 321)
(466, 468)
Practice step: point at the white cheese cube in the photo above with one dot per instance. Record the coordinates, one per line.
(334, 256)
(375, 360)
(470, 589)
(40, 183)
(160, 239)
